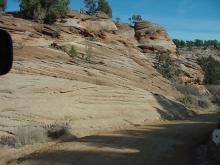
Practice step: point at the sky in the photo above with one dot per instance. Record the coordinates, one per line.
(183, 19)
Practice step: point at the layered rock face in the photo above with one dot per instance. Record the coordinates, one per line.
(152, 37)
(95, 23)
(188, 63)
(114, 87)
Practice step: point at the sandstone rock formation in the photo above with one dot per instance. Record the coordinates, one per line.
(95, 23)
(117, 87)
(152, 37)
(187, 59)
(117, 80)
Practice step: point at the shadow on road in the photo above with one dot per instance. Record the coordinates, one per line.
(169, 143)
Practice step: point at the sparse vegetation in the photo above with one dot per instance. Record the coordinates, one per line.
(57, 130)
(30, 135)
(211, 67)
(44, 11)
(93, 6)
(186, 100)
(3, 4)
(192, 98)
(196, 43)
(195, 101)
(167, 67)
(69, 49)
(58, 47)
(104, 6)
(90, 5)
(187, 90)
(8, 141)
(215, 91)
(72, 52)
(134, 18)
(89, 52)
(117, 20)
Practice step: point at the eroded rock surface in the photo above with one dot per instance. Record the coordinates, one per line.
(114, 88)
(153, 37)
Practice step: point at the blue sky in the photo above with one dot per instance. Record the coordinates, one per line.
(183, 19)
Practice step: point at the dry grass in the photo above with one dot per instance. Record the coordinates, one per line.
(192, 98)
(215, 91)
(8, 141)
(30, 135)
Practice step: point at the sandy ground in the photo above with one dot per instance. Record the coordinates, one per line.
(163, 143)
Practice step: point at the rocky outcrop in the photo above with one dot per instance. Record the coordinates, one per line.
(99, 25)
(152, 37)
(192, 72)
(188, 63)
(94, 23)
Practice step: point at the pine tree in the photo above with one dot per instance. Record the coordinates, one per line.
(44, 10)
(135, 18)
(104, 6)
(3, 4)
(90, 5)
(117, 20)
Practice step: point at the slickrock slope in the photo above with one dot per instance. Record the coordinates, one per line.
(115, 88)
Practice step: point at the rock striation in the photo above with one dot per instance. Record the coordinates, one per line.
(152, 37)
(95, 23)
(106, 85)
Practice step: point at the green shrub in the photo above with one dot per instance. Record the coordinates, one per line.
(3, 4)
(57, 130)
(167, 67)
(187, 90)
(195, 101)
(211, 67)
(104, 6)
(89, 51)
(204, 102)
(90, 5)
(135, 18)
(44, 11)
(39, 14)
(186, 100)
(93, 6)
(196, 42)
(72, 52)
(215, 91)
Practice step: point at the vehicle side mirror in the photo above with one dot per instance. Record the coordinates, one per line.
(6, 52)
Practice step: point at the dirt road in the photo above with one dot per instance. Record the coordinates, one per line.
(167, 143)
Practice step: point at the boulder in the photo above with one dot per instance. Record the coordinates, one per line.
(100, 15)
(152, 37)
(99, 25)
(72, 22)
(90, 25)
